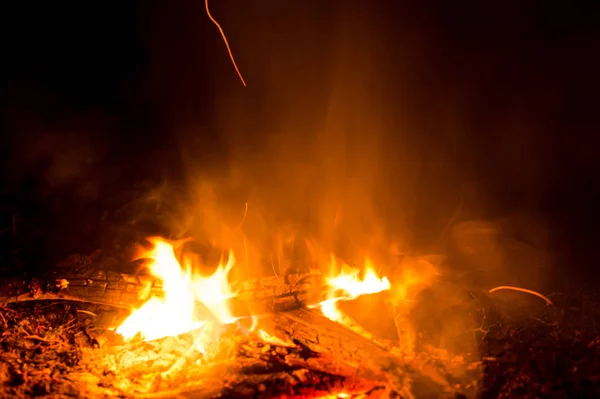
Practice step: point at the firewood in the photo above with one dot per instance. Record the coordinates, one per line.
(124, 290)
(231, 382)
(370, 360)
(240, 364)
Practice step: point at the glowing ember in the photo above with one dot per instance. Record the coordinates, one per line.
(347, 285)
(268, 338)
(190, 300)
(271, 339)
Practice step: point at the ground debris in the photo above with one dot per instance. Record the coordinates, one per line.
(54, 349)
(57, 350)
(238, 365)
(552, 352)
(40, 344)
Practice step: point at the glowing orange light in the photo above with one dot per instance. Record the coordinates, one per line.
(190, 300)
(347, 285)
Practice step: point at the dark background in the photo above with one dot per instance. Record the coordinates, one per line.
(491, 104)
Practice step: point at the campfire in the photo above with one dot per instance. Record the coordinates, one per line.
(180, 327)
(198, 308)
(352, 107)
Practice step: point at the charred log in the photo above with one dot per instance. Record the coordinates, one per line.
(130, 291)
(371, 360)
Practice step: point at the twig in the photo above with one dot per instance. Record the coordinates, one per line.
(87, 312)
(68, 325)
(225, 40)
(36, 338)
(544, 322)
(483, 320)
(510, 287)
(61, 297)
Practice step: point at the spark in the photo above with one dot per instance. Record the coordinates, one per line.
(510, 287)
(214, 21)
(245, 214)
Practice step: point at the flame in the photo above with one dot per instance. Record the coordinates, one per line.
(190, 301)
(269, 338)
(347, 285)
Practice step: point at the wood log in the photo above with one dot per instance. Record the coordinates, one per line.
(352, 363)
(370, 359)
(301, 378)
(127, 291)
(243, 366)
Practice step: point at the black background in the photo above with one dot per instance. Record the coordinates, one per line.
(496, 100)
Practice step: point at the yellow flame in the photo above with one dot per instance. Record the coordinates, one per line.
(268, 338)
(347, 285)
(192, 302)
(189, 302)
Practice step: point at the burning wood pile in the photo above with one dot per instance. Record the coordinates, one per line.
(181, 329)
(179, 333)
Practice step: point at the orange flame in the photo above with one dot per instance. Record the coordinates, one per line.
(190, 300)
(193, 302)
(268, 338)
(347, 285)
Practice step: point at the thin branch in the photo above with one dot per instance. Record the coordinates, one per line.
(86, 312)
(36, 338)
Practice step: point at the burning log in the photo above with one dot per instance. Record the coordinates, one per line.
(269, 371)
(127, 291)
(46, 351)
(43, 355)
(192, 313)
(325, 358)
(371, 360)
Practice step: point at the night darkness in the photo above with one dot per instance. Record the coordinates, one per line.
(103, 102)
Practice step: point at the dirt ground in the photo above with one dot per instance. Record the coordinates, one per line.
(56, 350)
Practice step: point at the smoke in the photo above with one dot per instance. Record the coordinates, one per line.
(59, 156)
(366, 129)
(306, 140)
(55, 177)
(358, 130)
(363, 132)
